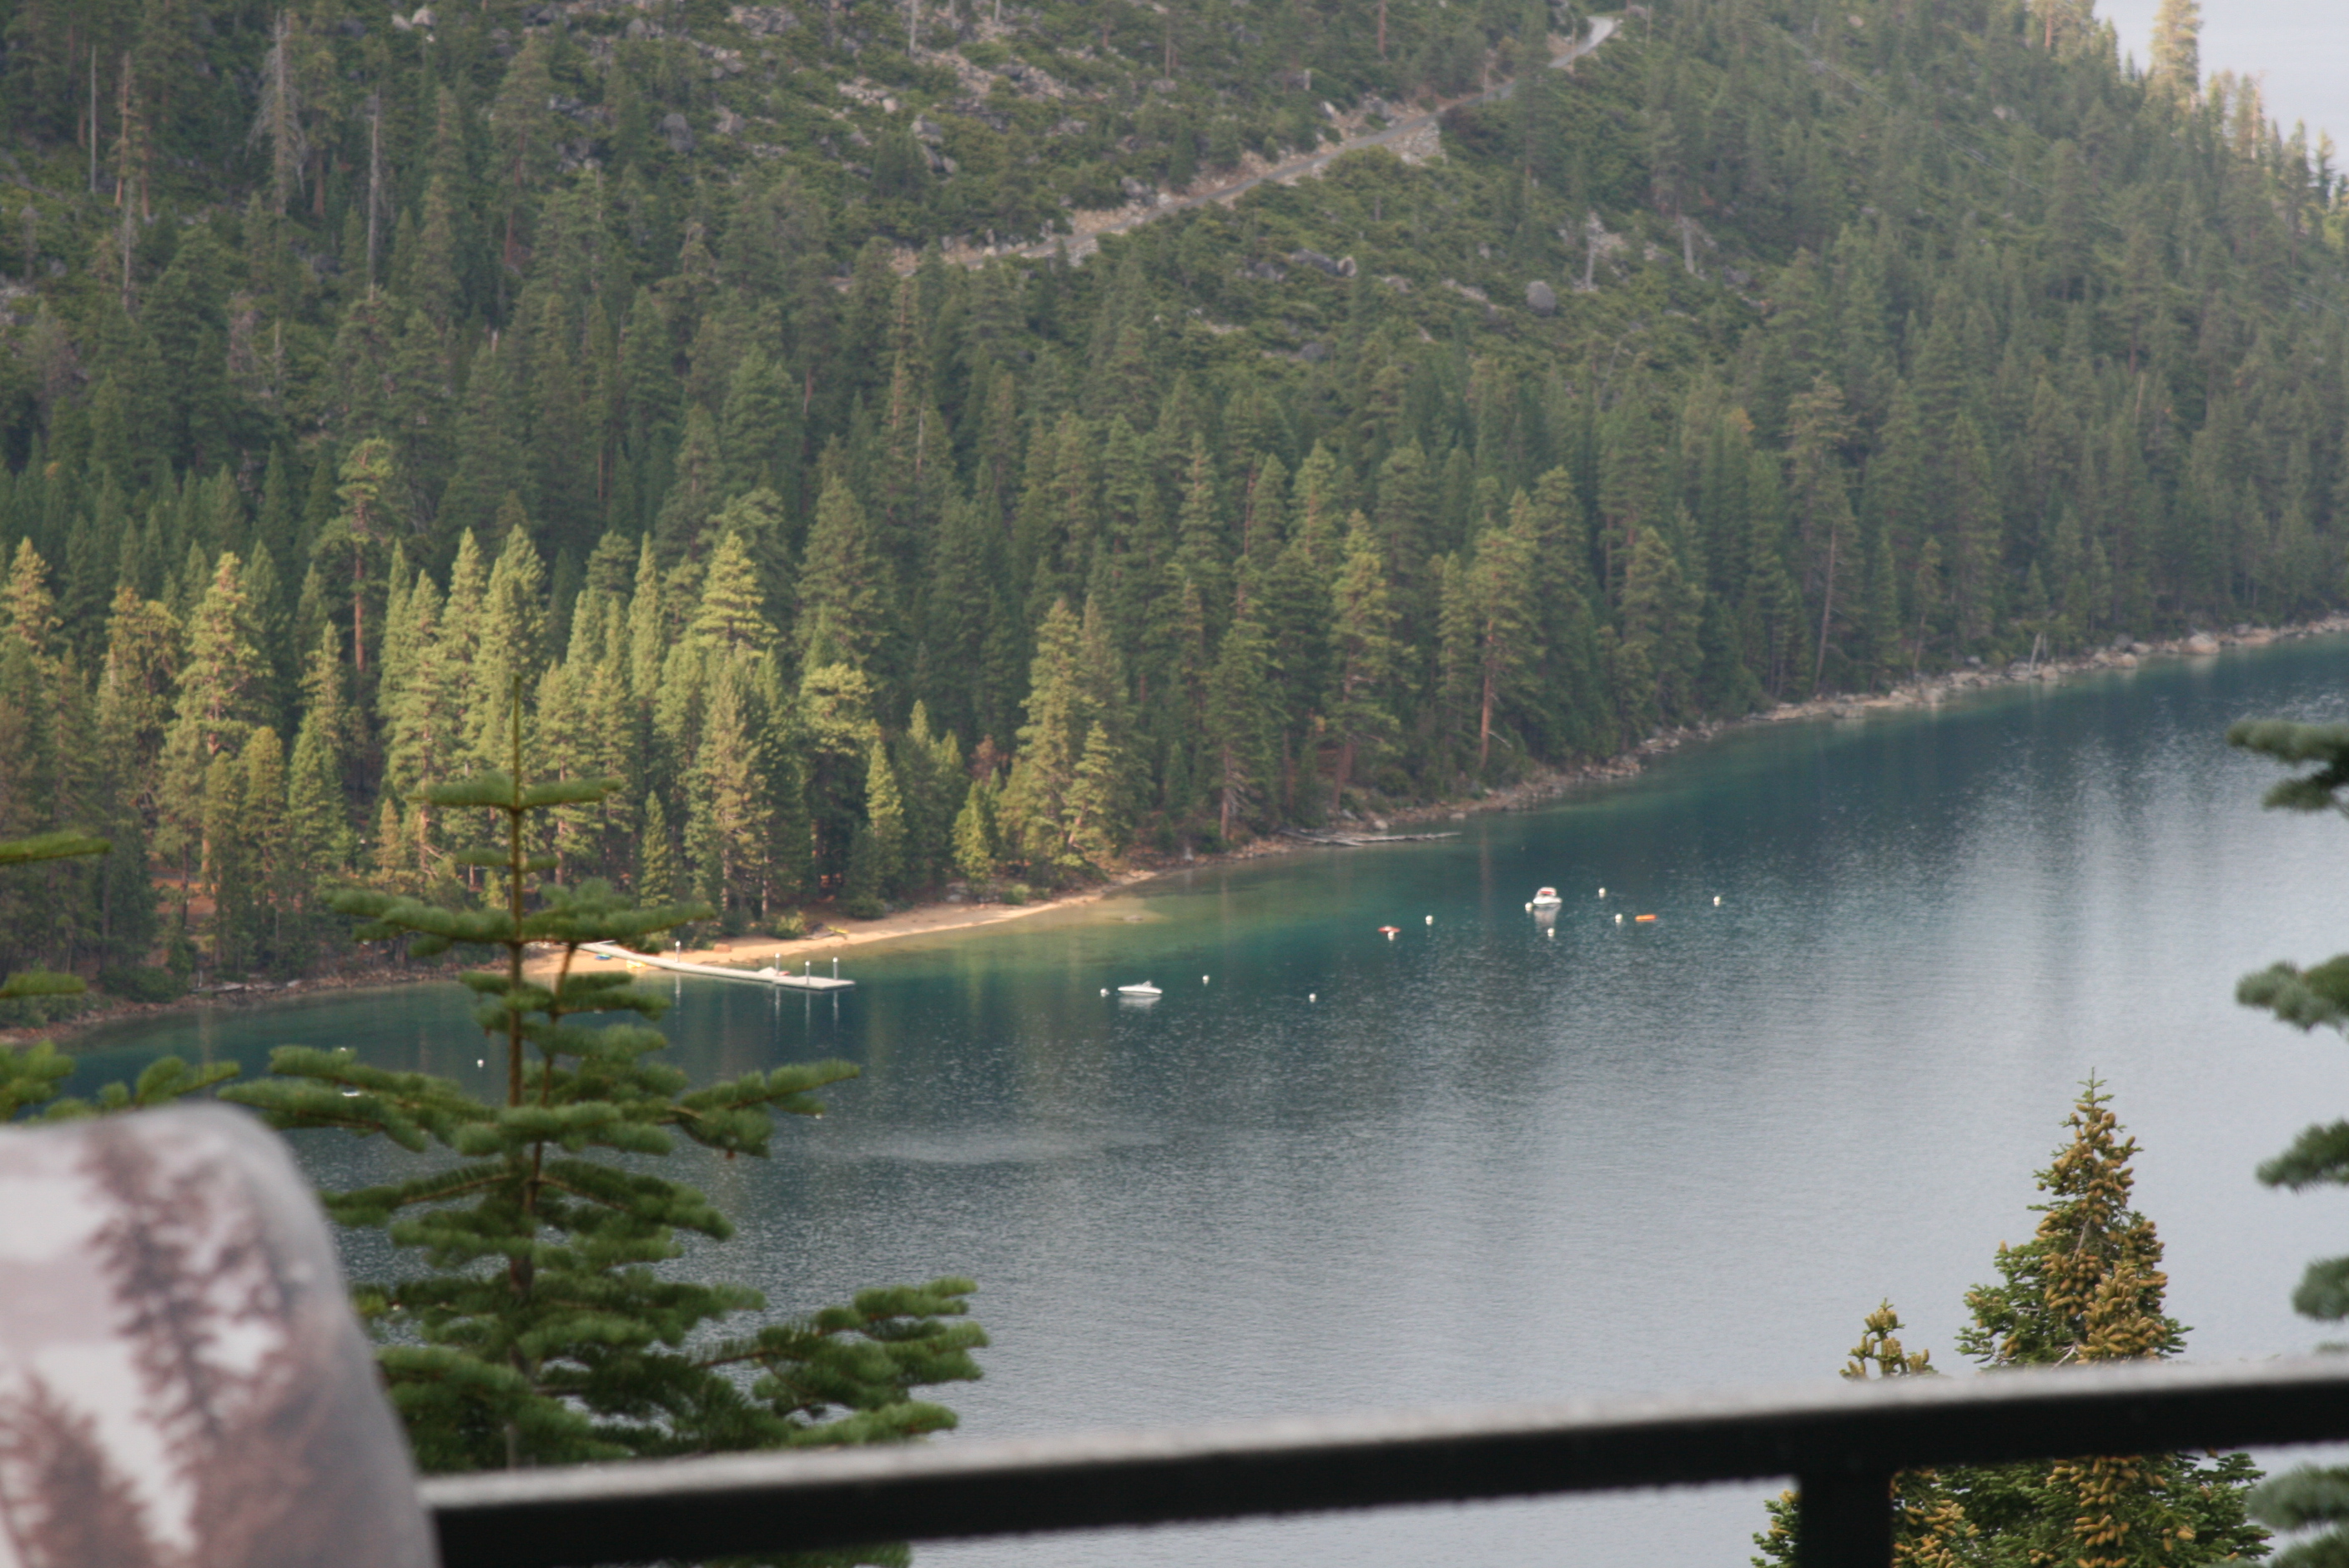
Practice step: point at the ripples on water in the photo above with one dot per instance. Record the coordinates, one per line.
(1493, 1164)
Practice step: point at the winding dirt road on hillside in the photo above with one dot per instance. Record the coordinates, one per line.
(1091, 226)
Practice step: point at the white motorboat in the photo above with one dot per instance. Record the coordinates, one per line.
(1546, 898)
(1146, 992)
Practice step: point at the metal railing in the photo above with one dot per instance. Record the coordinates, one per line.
(1842, 1444)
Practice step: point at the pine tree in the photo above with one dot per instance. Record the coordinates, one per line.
(1818, 427)
(1362, 646)
(220, 687)
(1503, 584)
(490, 459)
(1240, 728)
(730, 826)
(1971, 541)
(539, 1332)
(884, 817)
(2087, 1288)
(656, 867)
(1097, 825)
(509, 637)
(649, 616)
(759, 431)
(1662, 616)
(960, 607)
(232, 863)
(732, 614)
(561, 747)
(360, 528)
(841, 584)
(317, 812)
(1770, 606)
(2318, 996)
(1880, 621)
(1036, 801)
(423, 717)
(681, 529)
(929, 767)
(524, 136)
(975, 834)
(2177, 63)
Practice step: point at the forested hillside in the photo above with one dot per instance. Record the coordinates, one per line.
(363, 372)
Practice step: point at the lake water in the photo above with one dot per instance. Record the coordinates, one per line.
(1493, 1164)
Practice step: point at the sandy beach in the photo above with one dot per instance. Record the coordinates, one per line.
(828, 941)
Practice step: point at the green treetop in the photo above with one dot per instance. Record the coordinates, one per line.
(2177, 66)
(539, 1331)
(2087, 1288)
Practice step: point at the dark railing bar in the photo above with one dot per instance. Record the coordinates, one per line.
(1842, 1439)
(1844, 1519)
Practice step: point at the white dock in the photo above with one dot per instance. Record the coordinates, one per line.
(767, 976)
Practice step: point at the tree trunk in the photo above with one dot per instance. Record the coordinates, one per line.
(1484, 718)
(1826, 609)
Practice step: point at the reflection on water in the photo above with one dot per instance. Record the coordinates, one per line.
(1492, 1160)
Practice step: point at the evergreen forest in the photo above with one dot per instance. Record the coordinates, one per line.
(739, 391)
(2088, 1288)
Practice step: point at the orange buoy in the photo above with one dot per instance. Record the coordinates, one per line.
(1642, 919)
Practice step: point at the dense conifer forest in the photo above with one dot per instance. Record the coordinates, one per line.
(654, 364)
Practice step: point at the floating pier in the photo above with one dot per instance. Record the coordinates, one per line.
(768, 976)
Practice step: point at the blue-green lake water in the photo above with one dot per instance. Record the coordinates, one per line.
(1491, 1163)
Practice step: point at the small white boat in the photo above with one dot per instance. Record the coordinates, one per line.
(1546, 898)
(1146, 992)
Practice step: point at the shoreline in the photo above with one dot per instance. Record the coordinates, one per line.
(937, 918)
(948, 916)
(954, 915)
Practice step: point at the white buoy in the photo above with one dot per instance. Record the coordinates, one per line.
(1431, 920)
(482, 1061)
(1618, 919)
(1549, 931)
(1602, 892)
(1203, 979)
(1105, 990)
(1312, 996)
(1530, 908)
(1717, 901)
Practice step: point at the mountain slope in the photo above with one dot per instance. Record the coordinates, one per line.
(644, 354)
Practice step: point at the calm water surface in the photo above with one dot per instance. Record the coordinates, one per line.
(1490, 1164)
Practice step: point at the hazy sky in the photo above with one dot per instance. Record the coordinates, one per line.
(2300, 47)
